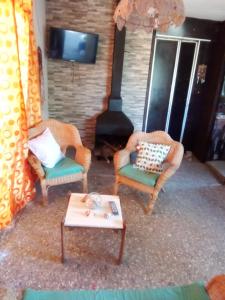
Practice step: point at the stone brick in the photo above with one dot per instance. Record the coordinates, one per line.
(135, 75)
(79, 92)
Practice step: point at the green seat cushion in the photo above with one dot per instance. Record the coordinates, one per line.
(195, 291)
(146, 178)
(66, 166)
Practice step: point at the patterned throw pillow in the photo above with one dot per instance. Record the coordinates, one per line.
(151, 156)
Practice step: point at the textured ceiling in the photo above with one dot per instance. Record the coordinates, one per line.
(205, 9)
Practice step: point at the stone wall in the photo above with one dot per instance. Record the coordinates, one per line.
(135, 75)
(79, 92)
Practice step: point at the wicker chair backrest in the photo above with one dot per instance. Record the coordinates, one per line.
(65, 134)
(157, 137)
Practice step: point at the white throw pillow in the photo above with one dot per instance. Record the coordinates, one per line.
(46, 149)
(151, 156)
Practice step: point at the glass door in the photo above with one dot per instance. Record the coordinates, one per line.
(173, 71)
(162, 78)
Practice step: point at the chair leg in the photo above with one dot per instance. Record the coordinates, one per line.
(116, 187)
(44, 193)
(151, 203)
(85, 184)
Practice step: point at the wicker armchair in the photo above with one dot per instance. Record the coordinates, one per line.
(170, 165)
(66, 135)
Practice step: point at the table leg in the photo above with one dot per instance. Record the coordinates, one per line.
(123, 234)
(62, 242)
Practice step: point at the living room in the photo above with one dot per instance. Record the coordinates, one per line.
(181, 240)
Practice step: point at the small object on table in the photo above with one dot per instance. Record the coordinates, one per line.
(113, 208)
(90, 203)
(92, 200)
(107, 215)
(84, 199)
(87, 213)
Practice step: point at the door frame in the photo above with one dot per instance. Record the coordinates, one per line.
(179, 40)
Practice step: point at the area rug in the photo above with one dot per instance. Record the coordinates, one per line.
(195, 291)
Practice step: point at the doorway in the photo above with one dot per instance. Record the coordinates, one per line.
(170, 90)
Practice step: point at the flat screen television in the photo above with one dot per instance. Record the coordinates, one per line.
(73, 45)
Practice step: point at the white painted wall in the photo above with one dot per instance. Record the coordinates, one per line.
(39, 17)
(205, 9)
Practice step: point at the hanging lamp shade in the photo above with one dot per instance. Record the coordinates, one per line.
(149, 14)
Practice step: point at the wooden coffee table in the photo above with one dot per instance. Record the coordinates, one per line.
(76, 217)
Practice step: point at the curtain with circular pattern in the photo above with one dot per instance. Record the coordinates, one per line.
(19, 104)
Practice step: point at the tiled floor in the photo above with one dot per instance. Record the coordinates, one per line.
(181, 242)
(218, 168)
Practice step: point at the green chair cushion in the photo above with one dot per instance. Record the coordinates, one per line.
(138, 175)
(195, 291)
(66, 166)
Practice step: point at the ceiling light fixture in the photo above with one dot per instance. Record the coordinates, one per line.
(149, 14)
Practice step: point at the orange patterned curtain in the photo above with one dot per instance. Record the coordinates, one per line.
(19, 104)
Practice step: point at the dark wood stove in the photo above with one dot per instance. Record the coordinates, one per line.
(113, 127)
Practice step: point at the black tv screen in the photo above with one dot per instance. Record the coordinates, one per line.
(73, 45)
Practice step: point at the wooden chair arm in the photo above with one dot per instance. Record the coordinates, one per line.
(169, 170)
(175, 158)
(83, 157)
(121, 158)
(36, 165)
